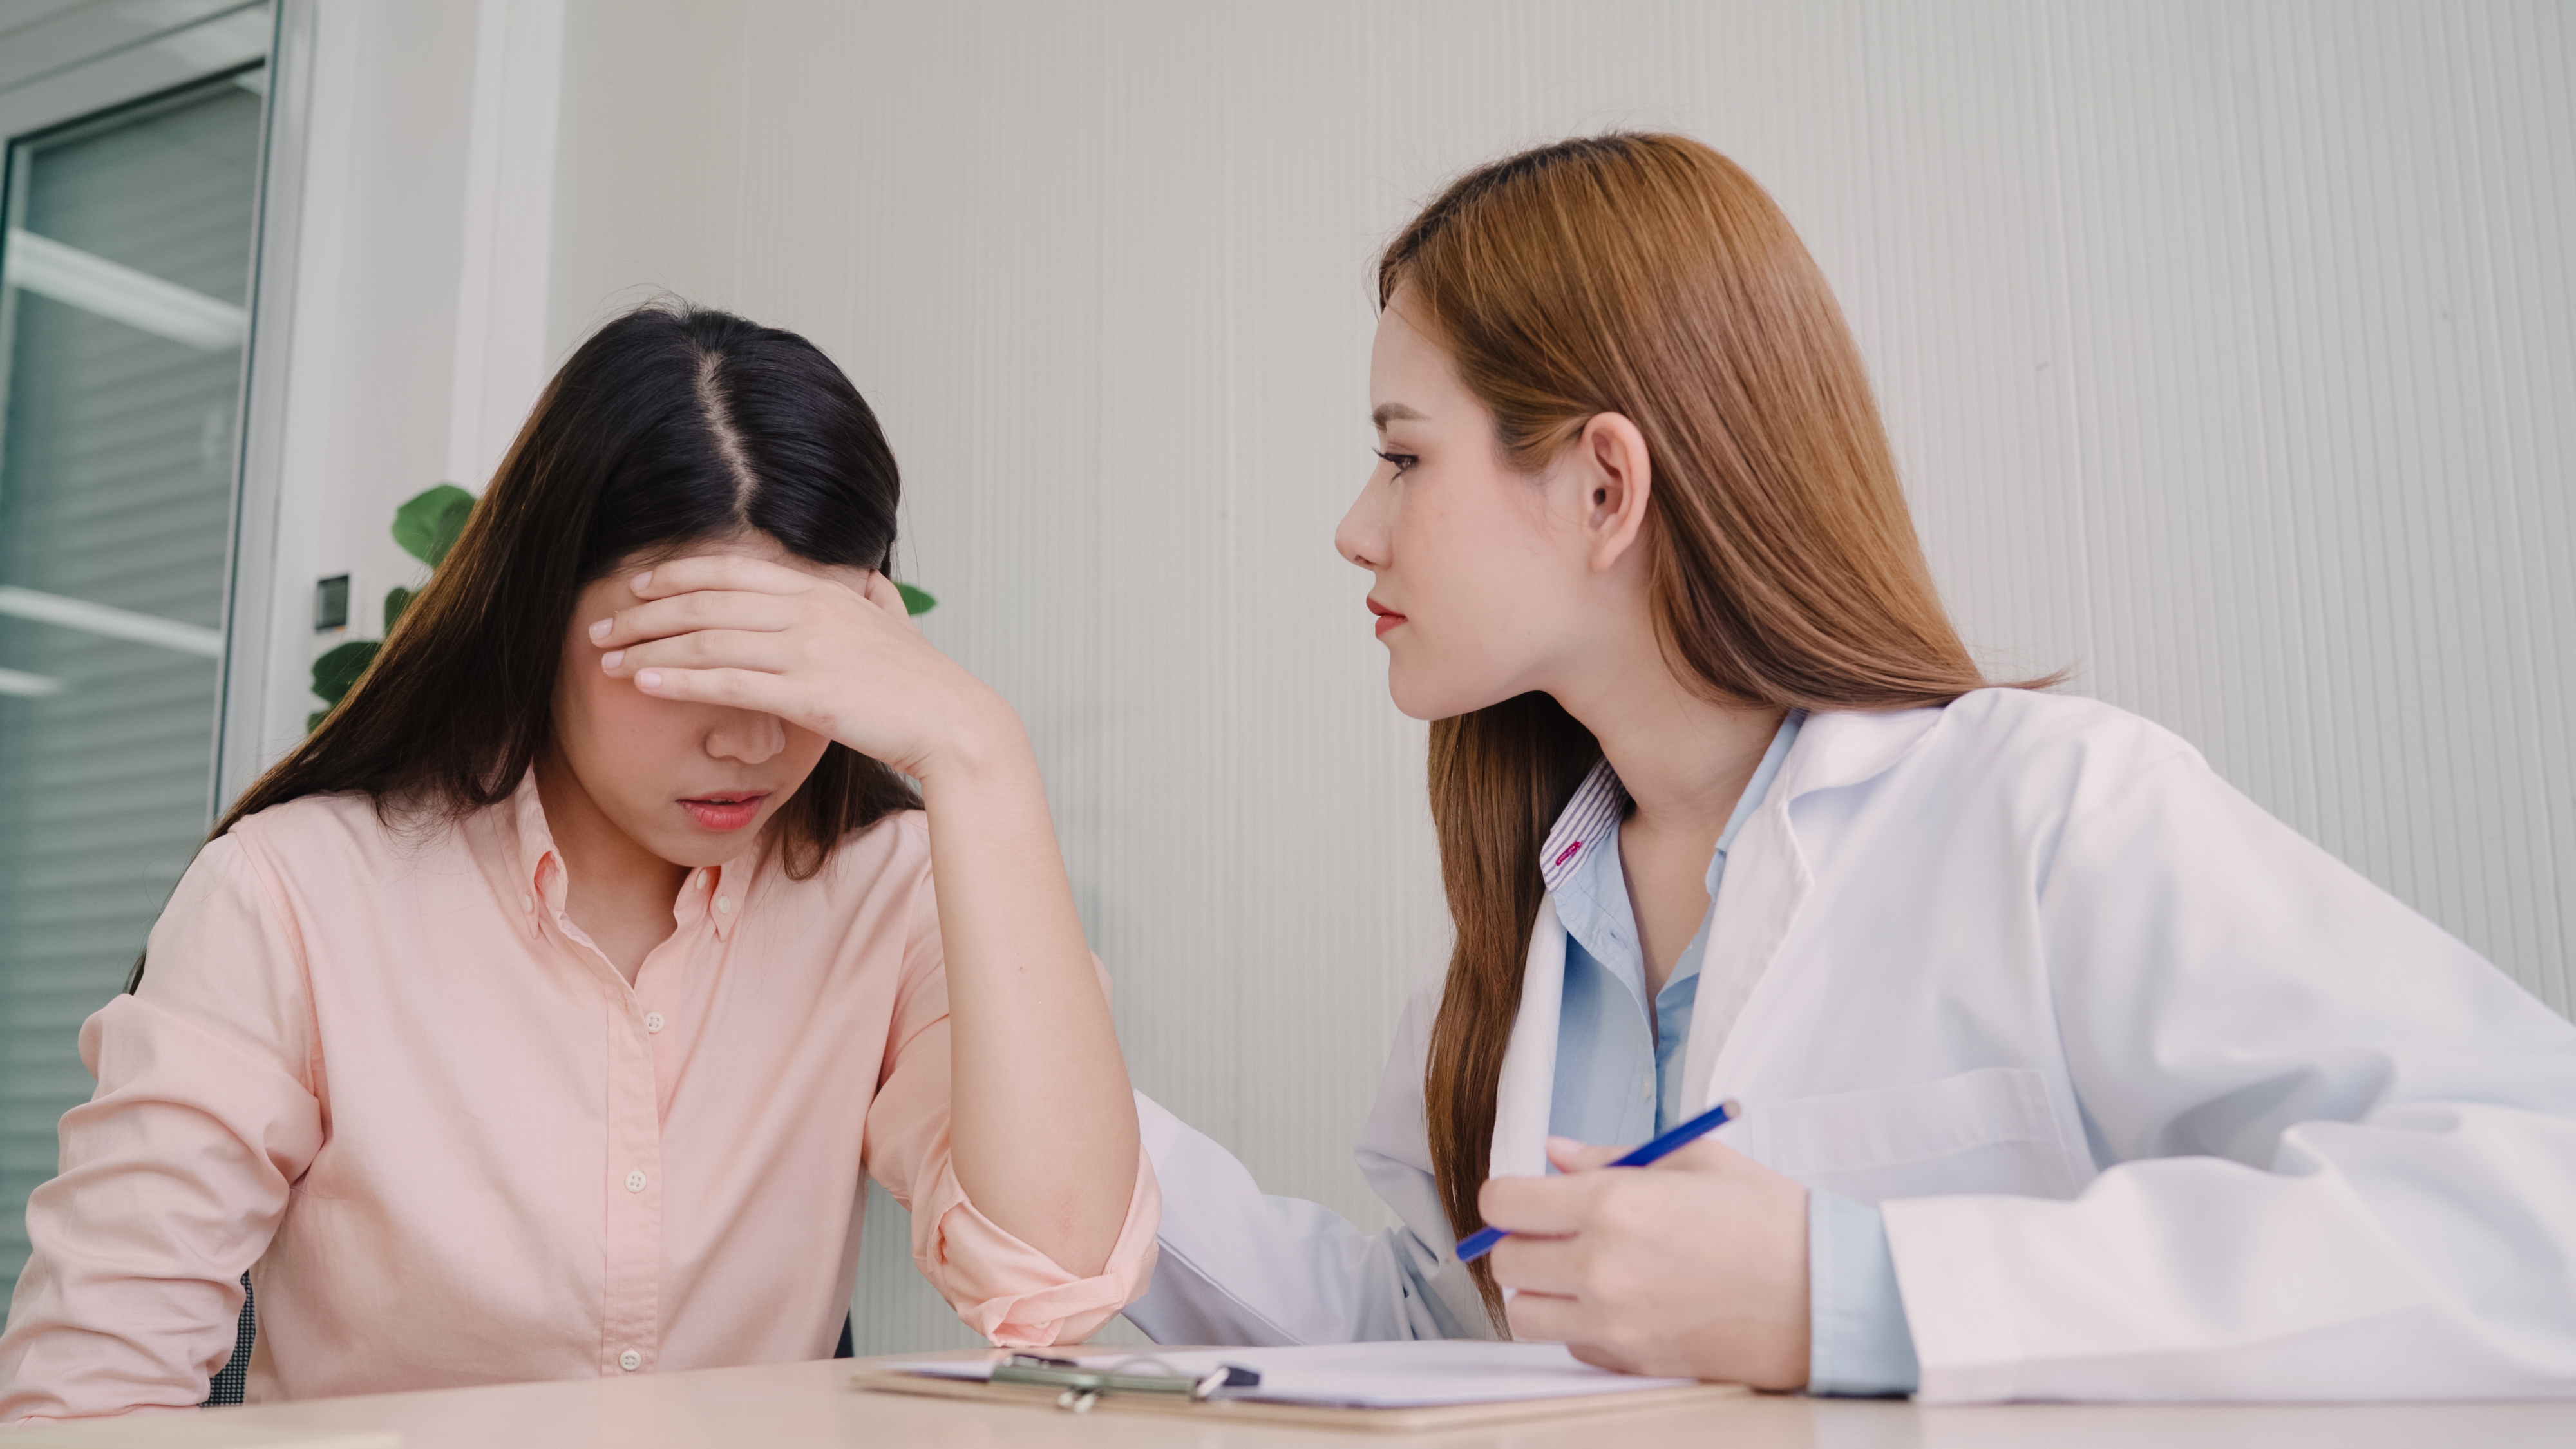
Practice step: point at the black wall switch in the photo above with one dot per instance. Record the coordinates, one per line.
(331, 604)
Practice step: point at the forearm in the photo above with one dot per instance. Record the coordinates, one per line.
(1236, 1265)
(1042, 1127)
(1042, 1132)
(174, 1177)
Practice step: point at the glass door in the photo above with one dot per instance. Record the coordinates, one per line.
(123, 284)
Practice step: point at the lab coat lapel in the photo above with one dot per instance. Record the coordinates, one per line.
(1526, 1094)
(1766, 883)
(1768, 879)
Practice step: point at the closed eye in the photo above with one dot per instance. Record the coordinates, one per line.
(1402, 462)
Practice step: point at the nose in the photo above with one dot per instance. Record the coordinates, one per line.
(750, 738)
(1361, 535)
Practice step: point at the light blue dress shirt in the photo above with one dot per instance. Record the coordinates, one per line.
(1619, 1075)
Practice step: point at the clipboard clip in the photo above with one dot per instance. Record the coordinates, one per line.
(1134, 1375)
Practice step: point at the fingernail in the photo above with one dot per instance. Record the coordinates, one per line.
(599, 631)
(650, 679)
(609, 659)
(641, 580)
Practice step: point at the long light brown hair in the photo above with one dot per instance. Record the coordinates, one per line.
(1647, 275)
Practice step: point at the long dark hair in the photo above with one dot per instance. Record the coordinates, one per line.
(1649, 276)
(673, 425)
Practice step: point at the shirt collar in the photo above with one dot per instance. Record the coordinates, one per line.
(717, 892)
(1590, 821)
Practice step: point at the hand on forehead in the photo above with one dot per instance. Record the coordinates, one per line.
(742, 582)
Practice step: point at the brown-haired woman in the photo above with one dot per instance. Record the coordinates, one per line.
(543, 1013)
(2065, 1072)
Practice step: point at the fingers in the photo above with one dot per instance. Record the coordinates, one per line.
(1626, 1335)
(749, 689)
(1591, 1332)
(881, 591)
(1540, 1265)
(1606, 1263)
(690, 612)
(1541, 1205)
(888, 599)
(1577, 1199)
(1545, 1318)
(1602, 1356)
(1706, 1155)
(732, 571)
(1568, 1155)
(769, 653)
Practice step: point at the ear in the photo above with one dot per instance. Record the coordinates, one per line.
(1609, 462)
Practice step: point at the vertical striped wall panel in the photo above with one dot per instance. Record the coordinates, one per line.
(2229, 349)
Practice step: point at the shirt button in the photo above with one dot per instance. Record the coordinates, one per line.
(527, 902)
(630, 1360)
(724, 904)
(652, 1021)
(634, 1182)
(1646, 1089)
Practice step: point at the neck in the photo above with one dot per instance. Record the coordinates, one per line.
(609, 874)
(1684, 758)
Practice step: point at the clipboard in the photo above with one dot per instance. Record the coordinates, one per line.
(1395, 1420)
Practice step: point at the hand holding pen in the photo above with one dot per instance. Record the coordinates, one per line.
(1477, 1244)
(1696, 1265)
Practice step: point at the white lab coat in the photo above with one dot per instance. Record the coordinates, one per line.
(2160, 1100)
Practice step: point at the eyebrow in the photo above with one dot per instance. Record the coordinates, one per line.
(1389, 412)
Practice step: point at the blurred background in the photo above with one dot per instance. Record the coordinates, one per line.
(2229, 347)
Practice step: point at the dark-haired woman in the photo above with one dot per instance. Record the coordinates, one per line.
(2065, 1071)
(542, 1013)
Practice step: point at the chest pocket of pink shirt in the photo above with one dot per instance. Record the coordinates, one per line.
(1987, 1131)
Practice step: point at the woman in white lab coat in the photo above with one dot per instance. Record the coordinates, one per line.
(2065, 1071)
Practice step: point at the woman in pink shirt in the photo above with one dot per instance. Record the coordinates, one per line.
(538, 1016)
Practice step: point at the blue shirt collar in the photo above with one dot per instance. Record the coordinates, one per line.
(1589, 824)
(1580, 862)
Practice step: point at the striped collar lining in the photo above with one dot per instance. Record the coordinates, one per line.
(1589, 820)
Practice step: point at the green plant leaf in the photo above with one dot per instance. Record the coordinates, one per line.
(427, 525)
(916, 602)
(340, 666)
(314, 720)
(396, 600)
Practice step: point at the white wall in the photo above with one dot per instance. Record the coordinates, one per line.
(403, 339)
(2228, 347)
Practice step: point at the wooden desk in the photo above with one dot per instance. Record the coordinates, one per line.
(795, 1405)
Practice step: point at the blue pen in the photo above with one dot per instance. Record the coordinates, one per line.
(1482, 1241)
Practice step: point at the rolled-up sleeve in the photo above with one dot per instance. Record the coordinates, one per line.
(1014, 1295)
(1011, 1293)
(174, 1175)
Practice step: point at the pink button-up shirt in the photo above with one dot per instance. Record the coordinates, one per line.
(381, 1069)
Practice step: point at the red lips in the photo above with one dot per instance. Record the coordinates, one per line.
(1386, 618)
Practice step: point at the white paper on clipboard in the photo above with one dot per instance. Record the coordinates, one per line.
(1427, 1373)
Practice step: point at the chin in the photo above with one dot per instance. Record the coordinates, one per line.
(695, 849)
(1424, 700)
(689, 854)
(1407, 701)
